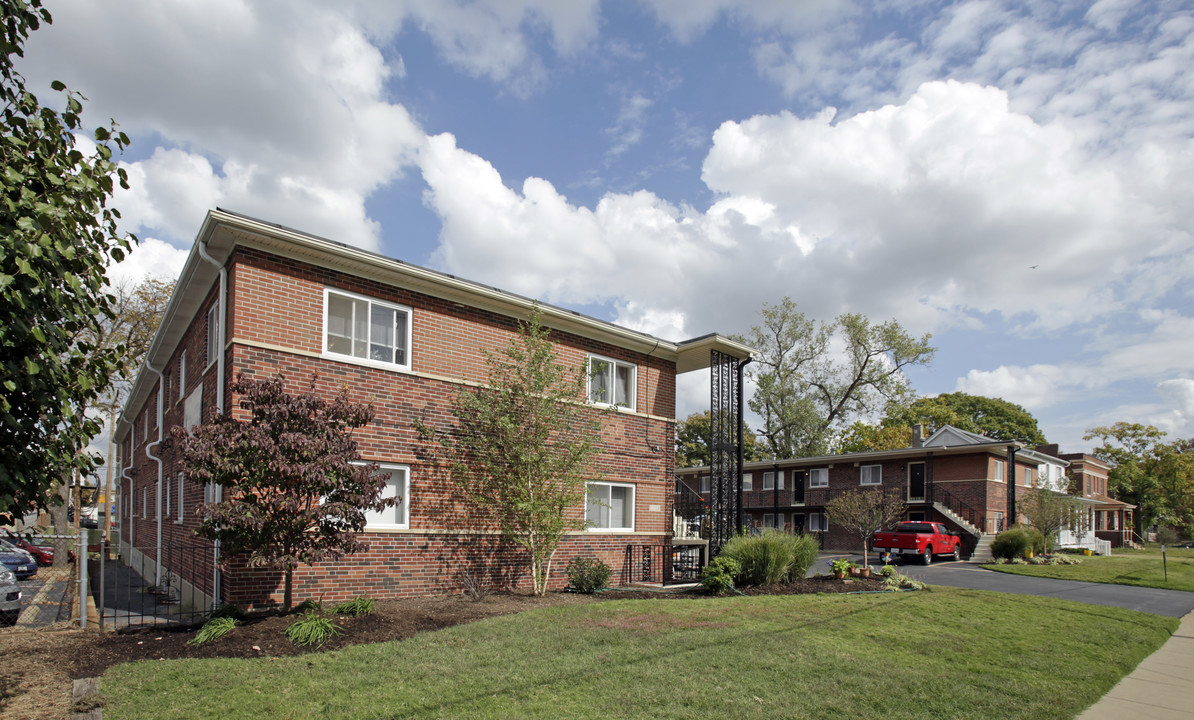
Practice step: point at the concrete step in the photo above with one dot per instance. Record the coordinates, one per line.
(982, 551)
(954, 517)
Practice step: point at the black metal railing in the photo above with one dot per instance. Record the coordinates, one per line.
(130, 590)
(937, 494)
(643, 564)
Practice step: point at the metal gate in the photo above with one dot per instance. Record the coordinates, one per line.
(131, 589)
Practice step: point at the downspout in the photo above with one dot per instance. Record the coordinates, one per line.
(157, 579)
(741, 436)
(218, 490)
(128, 486)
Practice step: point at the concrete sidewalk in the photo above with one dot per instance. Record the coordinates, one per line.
(1160, 688)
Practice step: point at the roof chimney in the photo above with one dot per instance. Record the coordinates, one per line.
(918, 435)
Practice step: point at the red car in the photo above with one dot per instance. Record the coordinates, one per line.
(44, 555)
(920, 540)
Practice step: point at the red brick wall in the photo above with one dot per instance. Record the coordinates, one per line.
(276, 324)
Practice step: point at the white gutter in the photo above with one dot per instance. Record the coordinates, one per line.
(217, 490)
(157, 580)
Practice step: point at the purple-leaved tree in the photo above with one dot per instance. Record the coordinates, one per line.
(294, 490)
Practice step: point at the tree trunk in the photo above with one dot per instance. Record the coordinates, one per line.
(287, 597)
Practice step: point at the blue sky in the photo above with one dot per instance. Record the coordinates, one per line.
(1013, 177)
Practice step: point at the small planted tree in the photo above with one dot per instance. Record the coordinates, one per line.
(294, 490)
(865, 512)
(1051, 512)
(522, 446)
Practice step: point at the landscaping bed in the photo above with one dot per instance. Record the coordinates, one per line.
(36, 677)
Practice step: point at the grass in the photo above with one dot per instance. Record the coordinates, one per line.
(949, 653)
(1124, 567)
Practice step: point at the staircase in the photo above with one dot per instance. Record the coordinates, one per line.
(982, 551)
(957, 519)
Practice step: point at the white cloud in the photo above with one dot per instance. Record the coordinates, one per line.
(150, 257)
(262, 109)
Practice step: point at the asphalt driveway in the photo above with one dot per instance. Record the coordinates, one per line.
(1173, 603)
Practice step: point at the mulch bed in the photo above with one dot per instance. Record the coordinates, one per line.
(39, 664)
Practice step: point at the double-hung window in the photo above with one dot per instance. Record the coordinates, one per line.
(817, 522)
(872, 475)
(370, 331)
(612, 382)
(397, 486)
(818, 477)
(705, 483)
(609, 506)
(769, 480)
(748, 482)
(998, 471)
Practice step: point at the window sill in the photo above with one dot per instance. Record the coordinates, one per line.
(609, 530)
(376, 364)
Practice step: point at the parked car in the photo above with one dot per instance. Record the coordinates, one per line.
(10, 598)
(16, 560)
(921, 540)
(44, 555)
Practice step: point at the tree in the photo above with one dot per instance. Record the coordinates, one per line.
(1156, 477)
(692, 442)
(861, 437)
(295, 492)
(866, 512)
(1051, 512)
(806, 390)
(57, 235)
(994, 417)
(136, 313)
(523, 446)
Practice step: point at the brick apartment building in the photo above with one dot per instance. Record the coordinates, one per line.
(954, 477)
(262, 299)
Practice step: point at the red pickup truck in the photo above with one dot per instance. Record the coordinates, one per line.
(922, 539)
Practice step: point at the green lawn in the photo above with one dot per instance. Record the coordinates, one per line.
(949, 653)
(1124, 567)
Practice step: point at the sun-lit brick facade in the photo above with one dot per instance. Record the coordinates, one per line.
(276, 319)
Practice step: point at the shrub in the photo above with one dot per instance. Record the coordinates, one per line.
(213, 629)
(718, 576)
(772, 557)
(587, 575)
(1166, 535)
(1016, 540)
(355, 607)
(313, 628)
(804, 554)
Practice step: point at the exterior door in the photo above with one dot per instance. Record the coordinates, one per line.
(799, 482)
(916, 482)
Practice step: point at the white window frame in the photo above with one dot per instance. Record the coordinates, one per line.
(591, 525)
(876, 473)
(817, 522)
(613, 365)
(704, 484)
(748, 482)
(182, 375)
(400, 513)
(179, 516)
(814, 473)
(768, 521)
(145, 502)
(213, 333)
(407, 328)
(999, 471)
(166, 500)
